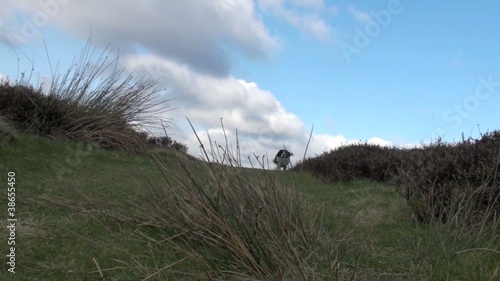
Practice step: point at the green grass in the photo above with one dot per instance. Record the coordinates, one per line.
(58, 243)
(73, 201)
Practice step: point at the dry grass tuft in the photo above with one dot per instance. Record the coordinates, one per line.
(239, 227)
(94, 101)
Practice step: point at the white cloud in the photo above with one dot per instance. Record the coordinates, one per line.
(314, 25)
(379, 141)
(263, 124)
(359, 15)
(311, 23)
(323, 142)
(4, 78)
(242, 104)
(261, 120)
(184, 44)
(6, 23)
(196, 32)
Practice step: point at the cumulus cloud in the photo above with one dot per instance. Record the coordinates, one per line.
(196, 32)
(206, 98)
(251, 147)
(359, 15)
(186, 46)
(263, 124)
(379, 141)
(324, 142)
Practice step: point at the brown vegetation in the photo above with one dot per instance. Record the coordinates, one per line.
(440, 181)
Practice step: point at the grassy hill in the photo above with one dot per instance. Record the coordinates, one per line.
(88, 195)
(87, 213)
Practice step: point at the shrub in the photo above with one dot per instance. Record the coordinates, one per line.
(7, 132)
(165, 142)
(92, 102)
(353, 162)
(440, 181)
(453, 181)
(29, 108)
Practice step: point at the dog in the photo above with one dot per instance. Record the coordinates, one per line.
(282, 159)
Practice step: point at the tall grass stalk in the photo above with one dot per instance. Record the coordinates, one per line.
(106, 93)
(95, 101)
(238, 227)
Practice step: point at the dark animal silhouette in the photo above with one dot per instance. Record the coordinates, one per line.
(282, 159)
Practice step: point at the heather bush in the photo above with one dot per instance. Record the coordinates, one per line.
(442, 182)
(7, 132)
(29, 108)
(354, 161)
(94, 102)
(166, 142)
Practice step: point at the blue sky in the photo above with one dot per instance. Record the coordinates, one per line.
(392, 72)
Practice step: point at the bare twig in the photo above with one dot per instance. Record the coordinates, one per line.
(307, 146)
(98, 268)
(163, 269)
(478, 249)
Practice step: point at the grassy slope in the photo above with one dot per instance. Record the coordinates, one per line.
(369, 221)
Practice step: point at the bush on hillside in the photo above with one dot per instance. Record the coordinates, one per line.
(440, 181)
(443, 182)
(7, 132)
(29, 109)
(166, 142)
(93, 102)
(354, 161)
